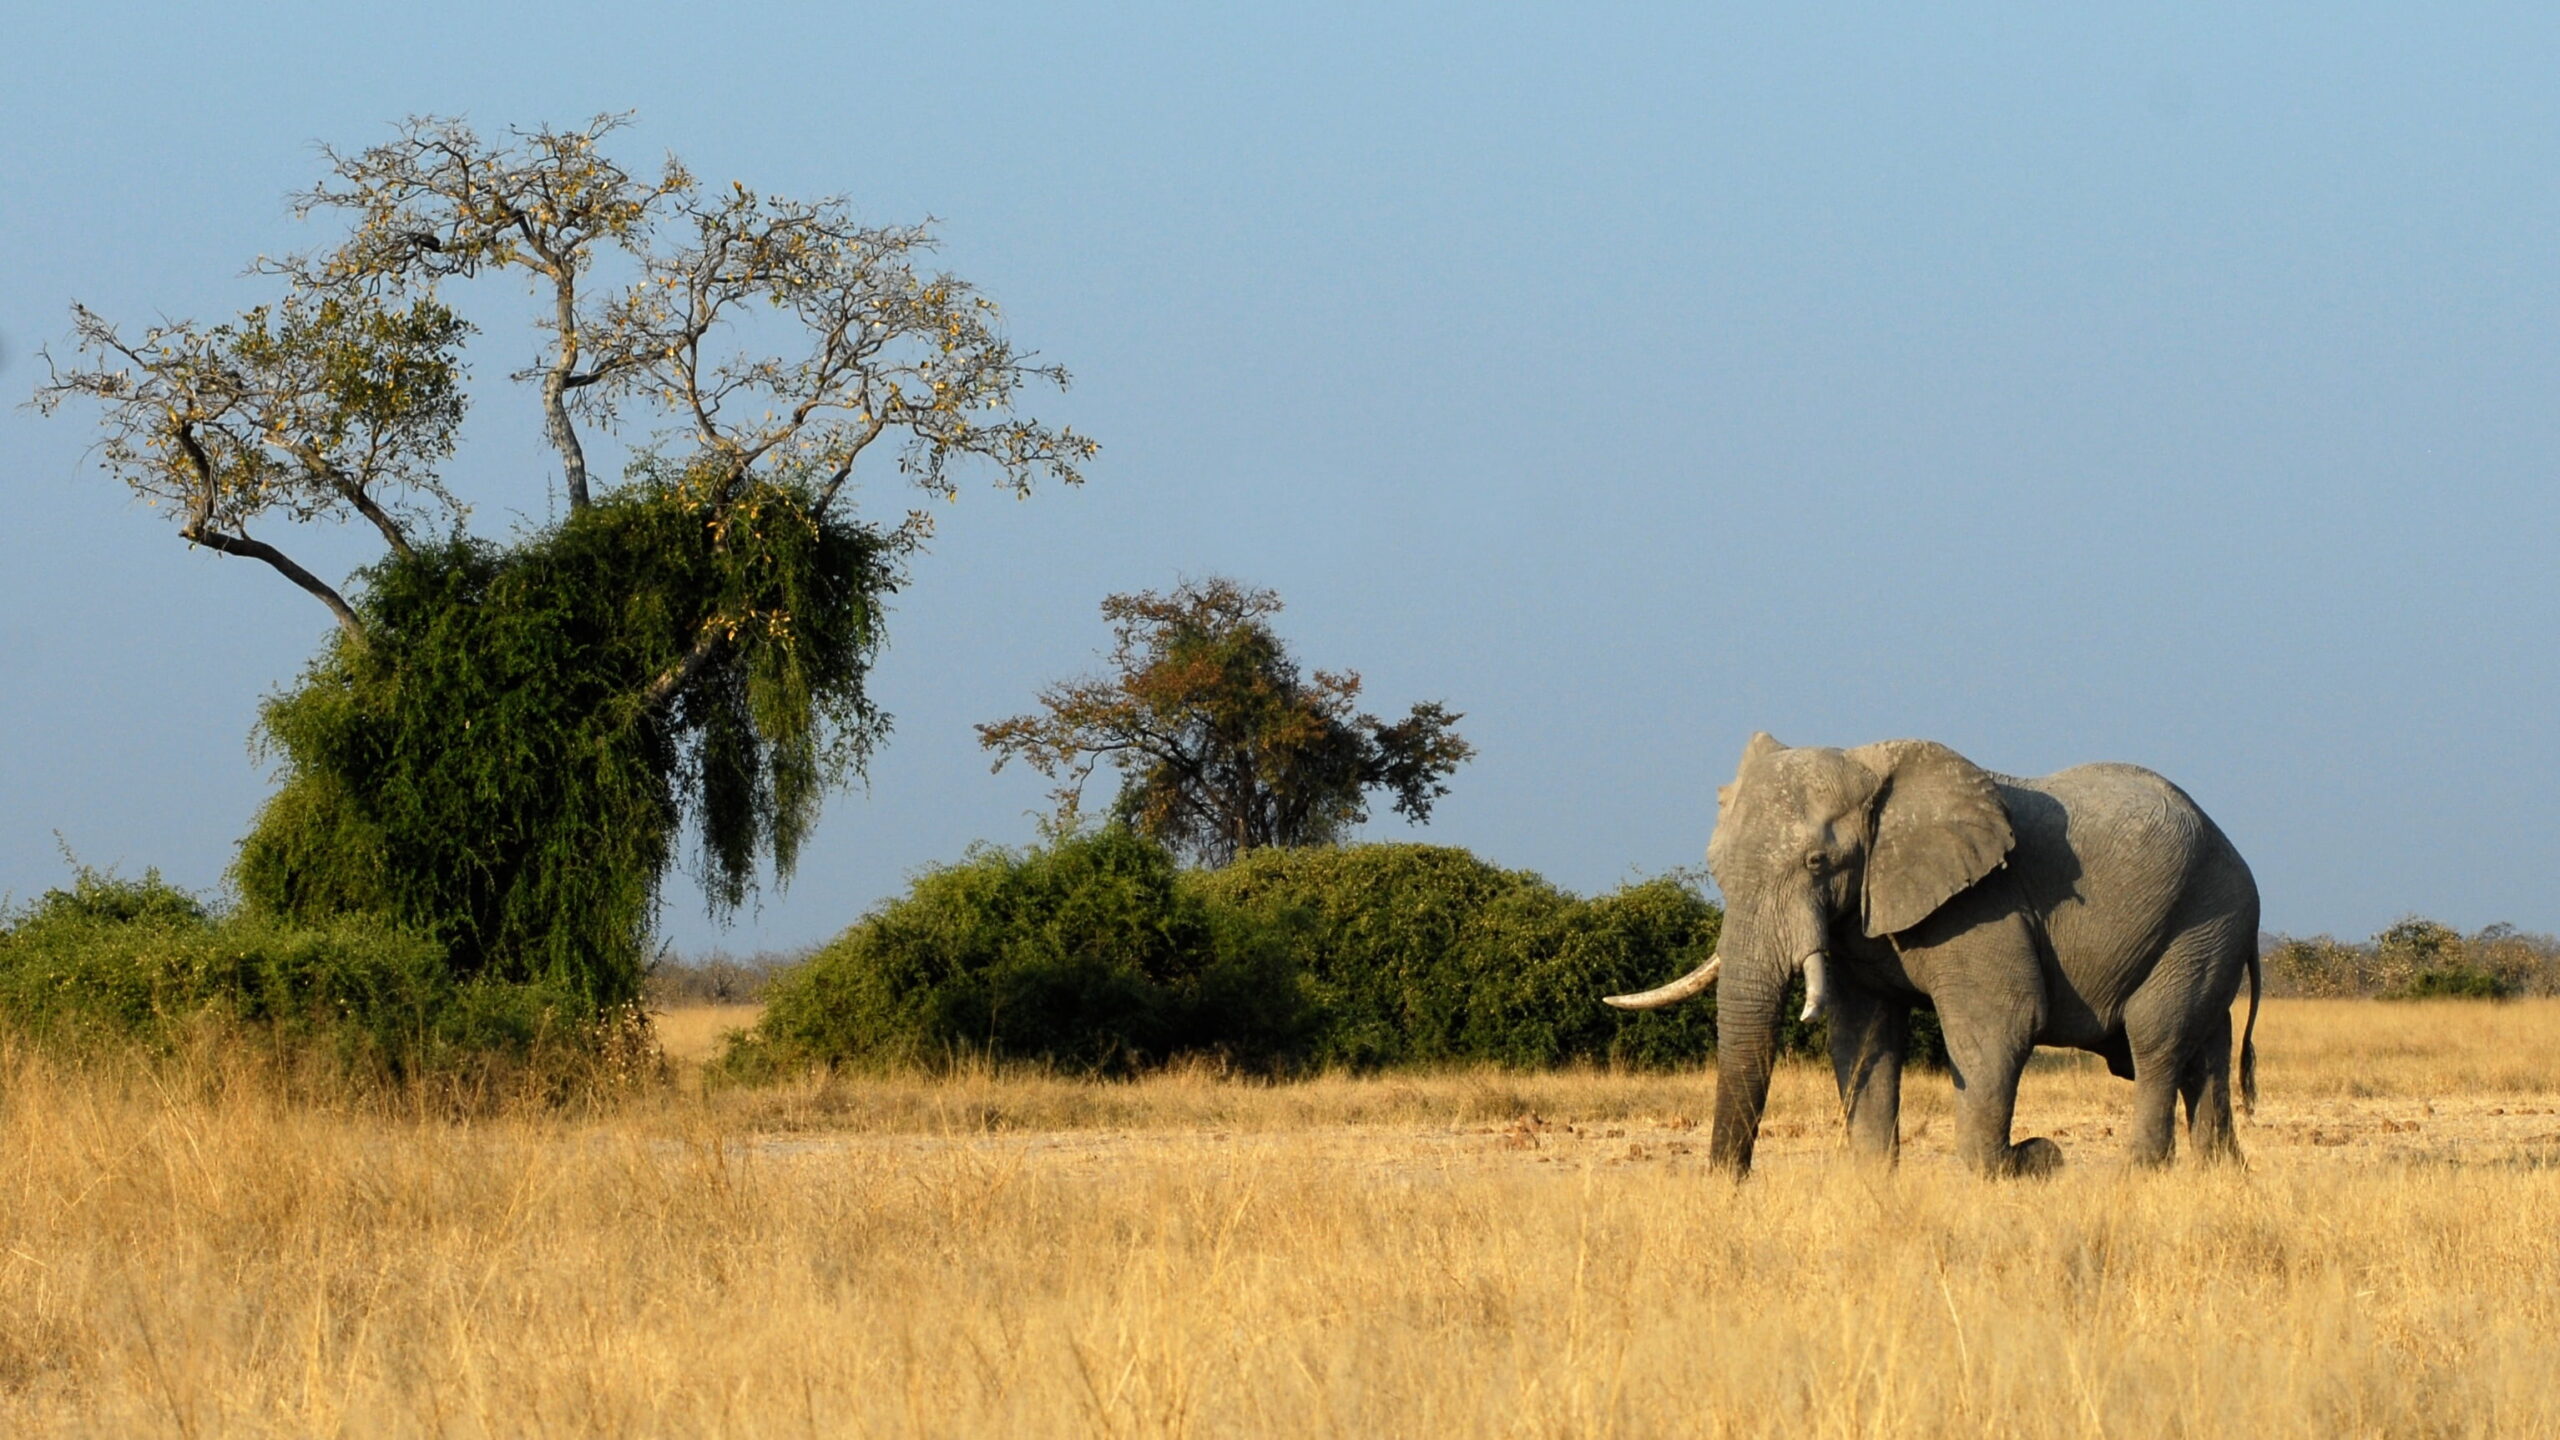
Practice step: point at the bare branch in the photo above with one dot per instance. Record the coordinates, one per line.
(886, 347)
(341, 399)
(199, 531)
(310, 408)
(437, 201)
(243, 546)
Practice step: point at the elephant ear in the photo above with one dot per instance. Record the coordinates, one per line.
(1939, 828)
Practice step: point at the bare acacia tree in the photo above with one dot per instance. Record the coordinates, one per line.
(504, 744)
(344, 396)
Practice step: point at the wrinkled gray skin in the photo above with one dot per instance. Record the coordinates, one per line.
(2096, 909)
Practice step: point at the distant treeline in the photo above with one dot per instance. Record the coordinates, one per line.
(2416, 958)
(717, 978)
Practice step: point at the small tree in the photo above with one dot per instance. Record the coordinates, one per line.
(1222, 743)
(503, 740)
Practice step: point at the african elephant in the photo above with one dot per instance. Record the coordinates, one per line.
(2096, 909)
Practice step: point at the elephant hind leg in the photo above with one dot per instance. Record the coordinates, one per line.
(2206, 1088)
(2179, 1026)
(2158, 1061)
(2153, 1133)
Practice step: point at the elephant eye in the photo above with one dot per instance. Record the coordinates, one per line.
(1813, 860)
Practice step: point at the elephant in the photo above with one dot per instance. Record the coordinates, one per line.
(2096, 909)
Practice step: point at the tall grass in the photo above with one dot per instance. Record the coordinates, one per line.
(184, 1250)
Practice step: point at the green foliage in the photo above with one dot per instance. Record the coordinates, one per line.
(140, 961)
(1426, 954)
(490, 768)
(101, 898)
(1091, 955)
(1224, 745)
(2452, 981)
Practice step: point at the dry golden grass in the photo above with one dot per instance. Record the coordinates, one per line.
(692, 1034)
(182, 1253)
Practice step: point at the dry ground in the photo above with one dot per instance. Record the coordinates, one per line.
(182, 1253)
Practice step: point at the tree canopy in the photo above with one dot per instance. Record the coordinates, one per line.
(503, 739)
(1223, 744)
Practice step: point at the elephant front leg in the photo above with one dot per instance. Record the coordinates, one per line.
(1870, 1034)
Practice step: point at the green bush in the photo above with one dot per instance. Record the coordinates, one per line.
(1091, 955)
(1427, 954)
(141, 961)
(2456, 981)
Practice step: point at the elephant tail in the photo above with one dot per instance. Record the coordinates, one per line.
(2249, 1043)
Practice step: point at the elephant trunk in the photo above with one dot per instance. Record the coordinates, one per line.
(1773, 938)
(1747, 1015)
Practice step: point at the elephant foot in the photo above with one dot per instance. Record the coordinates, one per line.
(2032, 1159)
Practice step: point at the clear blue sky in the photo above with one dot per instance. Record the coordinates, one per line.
(2174, 389)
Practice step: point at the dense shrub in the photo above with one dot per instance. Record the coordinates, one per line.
(1092, 955)
(2525, 963)
(141, 961)
(1425, 953)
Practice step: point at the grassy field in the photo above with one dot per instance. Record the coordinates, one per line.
(183, 1253)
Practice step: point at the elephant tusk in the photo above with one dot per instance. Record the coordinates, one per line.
(1680, 989)
(1817, 987)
